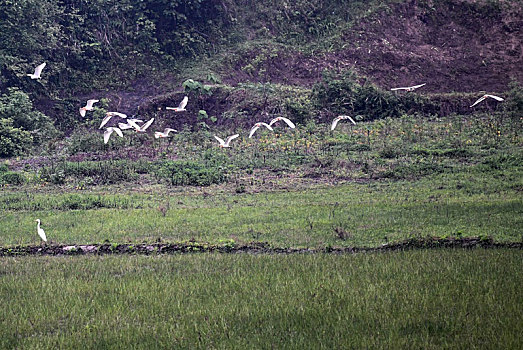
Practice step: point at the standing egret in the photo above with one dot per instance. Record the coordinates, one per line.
(257, 126)
(109, 131)
(497, 98)
(181, 106)
(165, 133)
(40, 231)
(337, 119)
(277, 119)
(88, 107)
(409, 88)
(38, 71)
(227, 142)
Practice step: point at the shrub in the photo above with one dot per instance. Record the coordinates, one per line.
(12, 178)
(13, 141)
(180, 173)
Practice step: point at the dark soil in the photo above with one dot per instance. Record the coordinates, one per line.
(253, 248)
(452, 45)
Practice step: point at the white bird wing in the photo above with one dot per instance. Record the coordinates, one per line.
(495, 97)
(82, 112)
(220, 140)
(38, 70)
(146, 125)
(267, 126)
(418, 86)
(118, 131)
(105, 120)
(289, 123)
(275, 120)
(42, 235)
(253, 130)
(230, 138)
(107, 134)
(116, 114)
(90, 103)
(478, 101)
(335, 122)
(399, 88)
(135, 120)
(124, 126)
(183, 103)
(168, 130)
(132, 123)
(347, 117)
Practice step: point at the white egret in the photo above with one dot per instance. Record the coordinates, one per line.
(38, 71)
(125, 126)
(497, 98)
(40, 231)
(88, 107)
(165, 133)
(181, 106)
(341, 117)
(227, 142)
(108, 117)
(109, 131)
(277, 119)
(142, 128)
(257, 126)
(409, 88)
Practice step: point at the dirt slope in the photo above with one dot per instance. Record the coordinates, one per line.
(452, 45)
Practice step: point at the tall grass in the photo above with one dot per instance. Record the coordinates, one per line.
(423, 299)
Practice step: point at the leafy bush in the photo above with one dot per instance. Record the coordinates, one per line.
(103, 172)
(13, 141)
(18, 118)
(343, 94)
(12, 178)
(182, 173)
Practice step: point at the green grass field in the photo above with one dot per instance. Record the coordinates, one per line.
(418, 299)
(370, 214)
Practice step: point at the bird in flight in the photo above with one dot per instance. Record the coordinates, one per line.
(165, 133)
(125, 126)
(38, 71)
(277, 119)
(409, 88)
(109, 131)
(497, 98)
(341, 117)
(227, 142)
(181, 106)
(109, 115)
(257, 126)
(88, 107)
(142, 128)
(40, 231)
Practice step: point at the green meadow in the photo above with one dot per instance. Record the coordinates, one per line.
(410, 300)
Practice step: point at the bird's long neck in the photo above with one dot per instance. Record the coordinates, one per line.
(38, 224)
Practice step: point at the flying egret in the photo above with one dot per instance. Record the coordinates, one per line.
(257, 126)
(409, 88)
(125, 126)
(277, 119)
(40, 231)
(165, 133)
(109, 131)
(38, 71)
(341, 117)
(181, 106)
(142, 128)
(497, 98)
(227, 142)
(88, 107)
(109, 115)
